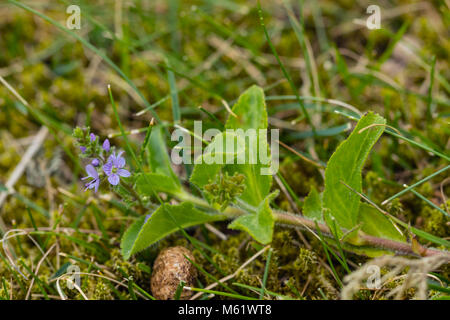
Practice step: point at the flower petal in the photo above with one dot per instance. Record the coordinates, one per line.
(123, 173)
(119, 162)
(96, 184)
(114, 179)
(93, 137)
(112, 157)
(107, 168)
(91, 171)
(92, 184)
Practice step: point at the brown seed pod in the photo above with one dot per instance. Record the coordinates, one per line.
(169, 269)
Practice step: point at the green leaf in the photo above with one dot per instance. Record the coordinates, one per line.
(159, 158)
(377, 224)
(312, 207)
(250, 111)
(148, 183)
(162, 222)
(345, 166)
(260, 224)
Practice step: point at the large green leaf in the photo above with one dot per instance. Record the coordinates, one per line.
(377, 224)
(164, 221)
(345, 166)
(250, 111)
(260, 224)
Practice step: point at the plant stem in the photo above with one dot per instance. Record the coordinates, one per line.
(133, 193)
(298, 221)
(367, 240)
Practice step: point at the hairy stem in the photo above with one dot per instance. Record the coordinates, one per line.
(298, 221)
(132, 192)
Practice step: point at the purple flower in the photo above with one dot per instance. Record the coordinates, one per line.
(92, 173)
(113, 168)
(106, 145)
(93, 137)
(83, 149)
(95, 162)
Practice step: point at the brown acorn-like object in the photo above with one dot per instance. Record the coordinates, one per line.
(169, 269)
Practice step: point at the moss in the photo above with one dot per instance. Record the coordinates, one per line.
(300, 176)
(375, 188)
(296, 267)
(435, 222)
(102, 291)
(130, 268)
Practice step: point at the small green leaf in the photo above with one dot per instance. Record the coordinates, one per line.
(162, 222)
(377, 224)
(312, 207)
(345, 166)
(148, 183)
(260, 224)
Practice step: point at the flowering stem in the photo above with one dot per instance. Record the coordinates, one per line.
(133, 193)
(299, 221)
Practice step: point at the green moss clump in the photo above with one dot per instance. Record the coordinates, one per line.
(300, 176)
(435, 222)
(101, 291)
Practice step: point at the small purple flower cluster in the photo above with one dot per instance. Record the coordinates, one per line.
(103, 157)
